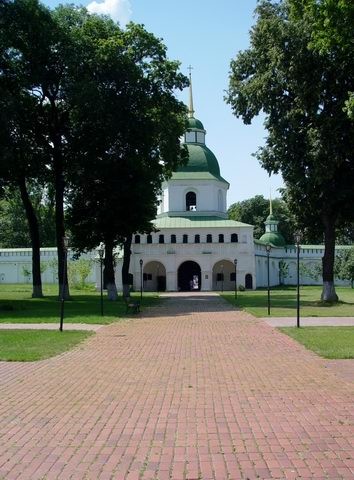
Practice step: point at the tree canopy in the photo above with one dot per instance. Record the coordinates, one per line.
(93, 108)
(255, 211)
(303, 94)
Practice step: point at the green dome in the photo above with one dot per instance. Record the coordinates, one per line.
(271, 218)
(274, 238)
(201, 159)
(194, 123)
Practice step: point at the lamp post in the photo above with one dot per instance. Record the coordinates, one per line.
(62, 299)
(297, 238)
(222, 277)
(235, 263)
(141, 279)
(268, 249)
(101, 254)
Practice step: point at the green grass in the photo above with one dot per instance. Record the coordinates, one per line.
(32, 345)
(328, 342)
(17, 306)
(283, 302)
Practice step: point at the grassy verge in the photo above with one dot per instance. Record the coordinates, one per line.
(32, 345)
(328, 342)
(17, 306)
(283, 302)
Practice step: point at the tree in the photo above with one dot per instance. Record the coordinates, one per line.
(310, 137)
(33, 68)
(331, 23)
(255, 211)
(125, 137)
(19, 152)
(13, 218)
(344, 266)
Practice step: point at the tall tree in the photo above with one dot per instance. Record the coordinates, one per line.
(20, 154)
(303, 93)
(125, 138)
(35, 61)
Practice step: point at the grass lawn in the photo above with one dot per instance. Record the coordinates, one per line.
(31, 345)
(283, 302)
(17, 306)
(328, 342)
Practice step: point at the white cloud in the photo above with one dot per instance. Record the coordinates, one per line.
(118, 10)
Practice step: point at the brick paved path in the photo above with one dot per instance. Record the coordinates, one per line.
(193, 390)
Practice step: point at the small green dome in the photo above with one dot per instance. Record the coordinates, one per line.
(194, 123)
(271, 218)
(274, 238)
(201, 159)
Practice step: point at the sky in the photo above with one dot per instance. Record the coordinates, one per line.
(206, 35)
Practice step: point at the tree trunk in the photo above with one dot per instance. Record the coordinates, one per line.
(126, 264)
(328, 291)
(109, 271)
(35, 240)
(59, 185)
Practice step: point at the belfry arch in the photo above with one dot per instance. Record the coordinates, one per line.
(189, 276)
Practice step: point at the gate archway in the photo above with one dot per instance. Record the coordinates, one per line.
(189, 276)
(154, 277)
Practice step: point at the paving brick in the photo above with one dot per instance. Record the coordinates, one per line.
(189, 389)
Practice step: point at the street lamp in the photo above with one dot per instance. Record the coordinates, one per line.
(235, 263)
(268, 249)
(222, 277)
(65, 241)
(101, 254)
(141, 279)
(297, 238)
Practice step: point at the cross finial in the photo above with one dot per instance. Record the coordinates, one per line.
(191, 110)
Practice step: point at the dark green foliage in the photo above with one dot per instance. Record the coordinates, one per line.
(303, 93)
(255, 211)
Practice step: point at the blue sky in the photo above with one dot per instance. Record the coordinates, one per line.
(206, 35)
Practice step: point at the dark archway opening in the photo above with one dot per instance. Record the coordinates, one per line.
(249, 281)
(189, 277)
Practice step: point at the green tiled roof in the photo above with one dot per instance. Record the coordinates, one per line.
(202, 164)
(195, 124)
(196, 222)
(196, 176)
(274, 238)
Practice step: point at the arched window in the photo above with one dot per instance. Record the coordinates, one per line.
(185, 238)
(173, 238)
(197, 239)
(161, 238)
(234, 238)
(137, 239)
(149, 238)
(209, 238)
(221, 238)
(191, 201)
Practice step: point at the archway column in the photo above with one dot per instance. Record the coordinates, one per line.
(207, 280)
(171, 281)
